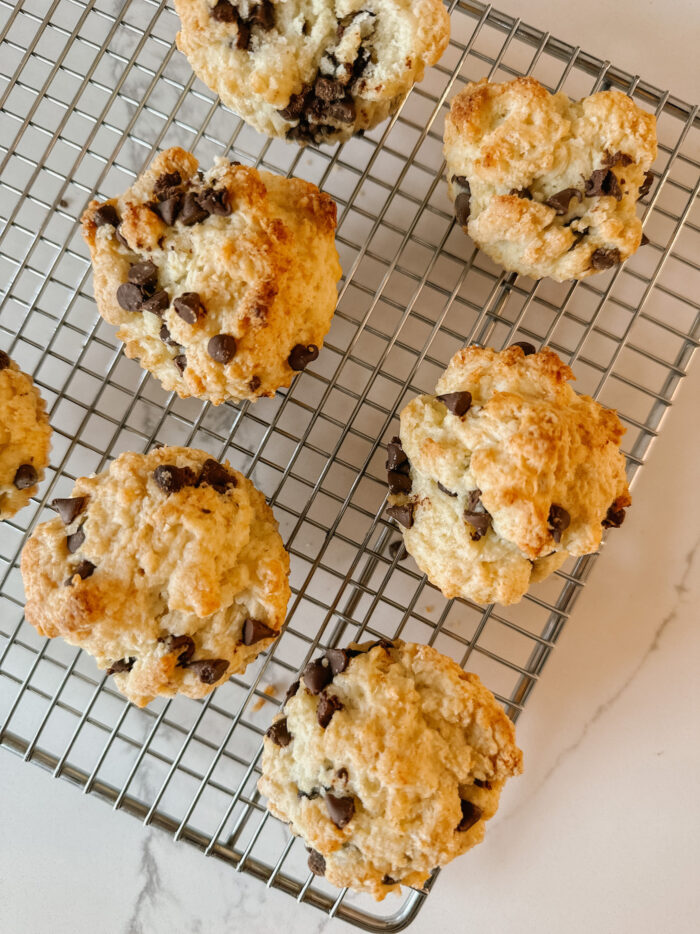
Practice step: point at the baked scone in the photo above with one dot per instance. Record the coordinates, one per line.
(504, 473)
(388, 760)
(25, 437)
(223, 284)
(312, 70)
(167, 568)
(544, 185)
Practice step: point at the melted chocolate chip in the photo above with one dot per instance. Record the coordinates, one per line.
(456, 402)
(387, 880)
(215, 201)
(527, 348)
(222, 348)
(328, 89)
(480, 523)
(470, 815)
(619, 158)
(192, 212)
(263, 15)
(482, 784)
(4, 360)
(291, 690)
(605, 259)
(243, 38)
(182, 645)
(396, 457)
(560, 201)
(254, 384)
(75, 540)
(338, 659)
(301, 356)
(209, 669)
(521, 193)
(189, 307)
(69, 508)
(106, 214)
(25, 477)
(317, 863)
(84, 570)
(171, 479)
(645, 187)
(130, 296)
(558, 520)
(121, 238)
(215, 474)
(254, 630)
(463, 208)
(399, 482)
(445, 490)
(295, 107)
(340, 809)
(168, 209)
(166, 337)
(124, 664)
(144, 274)
(224, 12)
(157, 303)
(644, 240)
(327, 706)
(397, 550)
(603, 182)
(342, 774)
(402, 514)
(165, 182)
(614, 517)
(317, 675)
(180, 362)
(279, 733)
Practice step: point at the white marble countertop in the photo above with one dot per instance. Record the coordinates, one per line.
(601, 833)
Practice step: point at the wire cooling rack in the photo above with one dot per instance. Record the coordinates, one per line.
(90, 91)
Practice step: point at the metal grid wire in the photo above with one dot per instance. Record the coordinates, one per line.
(91, 89)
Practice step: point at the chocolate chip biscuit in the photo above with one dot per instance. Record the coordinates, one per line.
(504, 473)
(544, 185)
(168, 568)
(312, 70)
(388, 760)
(223, 284)
(25, 437)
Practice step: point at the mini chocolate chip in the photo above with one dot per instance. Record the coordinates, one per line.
(317, 863)
(189, 307)
(644, 240)
(215, 201)
(340, 809)
(209, 669)
(295, 107)
(291, 690)
(560, 201)
(69, 508)
(645, 187)
(254, 384)
(558, 520)
(603, 182)
(399, 482)
(215, 474)
(482, 784)
(144, 274)
(192, 212)
(397, 550)
(4, 360)
(168, 209)
(402, 514)
(279, 733)
(180, 362)
(605, 259)
(105, 214)
(614, 517)
(456, 402)
(25, 476)
(157, 303)
(183, 645)
(480, 523)
(124, 664)
(474, 501)
(222, 348)
(83, 570)
(171, 479)
(263, 15)
(470, 815)
(254, 630)
(463, 208)
(396, 457)
(302, 355)
(445, 490)
(338, 659)
(619, 158)
(224, 12)
(387, 880)
(327, 706)
(166, 337)
(317, 675)
(129, 296)
(75, 540)
(527, 348)
(165, 182)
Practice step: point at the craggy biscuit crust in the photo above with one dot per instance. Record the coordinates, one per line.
(414, 737)
(194, 562)
(266, 274)
(517, 146)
